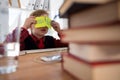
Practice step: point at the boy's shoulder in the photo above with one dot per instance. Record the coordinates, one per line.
(49, 36)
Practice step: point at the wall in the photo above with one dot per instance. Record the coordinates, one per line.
(54, 10)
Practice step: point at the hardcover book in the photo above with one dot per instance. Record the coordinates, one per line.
(95, 53)
(95, 16)
(71, 6)
(105, 34)
(91, 71)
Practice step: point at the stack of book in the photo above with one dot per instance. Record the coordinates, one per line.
(94, 39)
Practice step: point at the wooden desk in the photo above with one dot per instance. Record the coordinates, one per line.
(30, 68)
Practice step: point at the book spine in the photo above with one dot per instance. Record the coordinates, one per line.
(93, 64)
(101, 14)
(95, 52)
(102, 35)
(104, 24)
(92, 71)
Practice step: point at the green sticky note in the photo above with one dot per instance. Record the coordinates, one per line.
(43, 21)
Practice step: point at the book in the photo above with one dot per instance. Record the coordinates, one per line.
(71, 6)
(91, 71)
(95, 16)
(43, 50)
(95, 53)
(106, 34)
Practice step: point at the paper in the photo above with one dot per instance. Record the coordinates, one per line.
(52, 58)
(43, 21)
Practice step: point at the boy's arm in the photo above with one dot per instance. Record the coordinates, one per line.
(12, 37)
(58, 43)
(23, 35)
(56, 27)
(24, 32)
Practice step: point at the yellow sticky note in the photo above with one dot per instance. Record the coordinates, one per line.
(43, 21)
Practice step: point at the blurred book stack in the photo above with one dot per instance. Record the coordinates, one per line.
(94, 39)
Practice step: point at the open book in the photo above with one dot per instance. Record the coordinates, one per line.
(42, 50)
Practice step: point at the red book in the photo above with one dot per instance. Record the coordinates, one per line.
(83, 70)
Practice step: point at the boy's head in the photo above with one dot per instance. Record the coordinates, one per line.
(39, 31)
(38, 13)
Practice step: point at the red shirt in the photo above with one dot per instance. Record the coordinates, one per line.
(38, 42)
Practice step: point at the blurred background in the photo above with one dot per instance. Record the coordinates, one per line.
(20, 9)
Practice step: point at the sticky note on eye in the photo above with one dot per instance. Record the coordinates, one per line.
(43, 21)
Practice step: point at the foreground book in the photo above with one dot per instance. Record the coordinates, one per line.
(102, 14)
(95, 53)
(96, 15)
(67, 6)
(91, 71)
(93, 35)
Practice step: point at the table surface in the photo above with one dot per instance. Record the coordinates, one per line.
(32, 68)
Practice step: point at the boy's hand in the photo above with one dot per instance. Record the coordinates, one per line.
(56, 26)
(29, 21)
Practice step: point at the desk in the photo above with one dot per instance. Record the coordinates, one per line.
(30, 69)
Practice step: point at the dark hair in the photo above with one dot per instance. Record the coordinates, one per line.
(37, 13)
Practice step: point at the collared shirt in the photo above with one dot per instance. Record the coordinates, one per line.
(38, 42)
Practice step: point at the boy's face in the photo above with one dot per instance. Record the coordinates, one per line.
(39, 31)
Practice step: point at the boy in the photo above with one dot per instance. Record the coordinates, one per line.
(37, 38)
